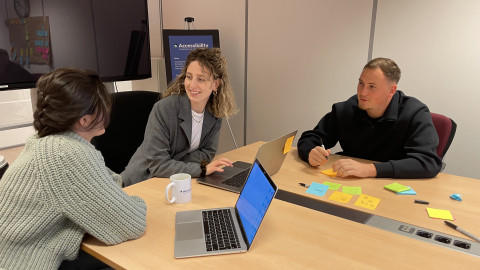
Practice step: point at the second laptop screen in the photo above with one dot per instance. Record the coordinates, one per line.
(254, 200)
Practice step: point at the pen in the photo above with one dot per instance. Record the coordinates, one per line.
(304, 185)
(422, 202)
(323, 146)
(451, 225)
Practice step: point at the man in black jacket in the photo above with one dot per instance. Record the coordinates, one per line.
(379, 124)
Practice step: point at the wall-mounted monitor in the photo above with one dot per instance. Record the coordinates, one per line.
(108, 36)
(177, 44)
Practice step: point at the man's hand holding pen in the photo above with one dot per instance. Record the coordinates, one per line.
(318, 156)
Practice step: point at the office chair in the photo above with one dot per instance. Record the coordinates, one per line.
(3, 166)
(446, 128)
(128, 119)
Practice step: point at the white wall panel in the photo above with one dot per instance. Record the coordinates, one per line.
(436, 44)
(303, 56)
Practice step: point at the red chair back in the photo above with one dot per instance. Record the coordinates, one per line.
(446, 128)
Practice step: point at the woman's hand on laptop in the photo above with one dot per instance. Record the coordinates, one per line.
(217, 165)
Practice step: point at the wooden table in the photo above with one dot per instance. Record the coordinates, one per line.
(291, 236)
(398, 207)
(11, 154)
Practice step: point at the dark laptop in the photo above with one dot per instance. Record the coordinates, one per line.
(270, 154)
(226, 230)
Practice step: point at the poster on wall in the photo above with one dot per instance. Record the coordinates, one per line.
(177, 45)
(29, 40)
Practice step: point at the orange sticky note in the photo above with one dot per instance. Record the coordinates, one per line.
(329, 172)
(288, 145)
(368, 202)
(340, 197)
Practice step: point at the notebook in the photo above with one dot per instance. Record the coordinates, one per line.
(271, 155)
(236, 227)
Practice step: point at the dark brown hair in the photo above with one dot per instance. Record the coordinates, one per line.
(66, 95)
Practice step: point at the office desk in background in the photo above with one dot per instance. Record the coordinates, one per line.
(291, 236)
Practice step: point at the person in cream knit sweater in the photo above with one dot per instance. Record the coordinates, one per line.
(59, 189)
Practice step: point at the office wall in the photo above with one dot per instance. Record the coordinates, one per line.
(303, 56)
(434, 42)
(437, 45)
(229, 18)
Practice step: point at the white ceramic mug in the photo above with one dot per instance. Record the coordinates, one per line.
(182, 188)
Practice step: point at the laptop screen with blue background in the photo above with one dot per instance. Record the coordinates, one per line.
(253, 202)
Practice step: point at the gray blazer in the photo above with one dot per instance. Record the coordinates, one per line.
(164, 150)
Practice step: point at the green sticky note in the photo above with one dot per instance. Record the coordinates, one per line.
(332, 186)
(352, 190)
(396, 187)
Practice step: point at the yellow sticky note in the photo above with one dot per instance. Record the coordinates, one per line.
(329, 172)
(368, 202)
(340, 197)
(439, 213)
(288, 145)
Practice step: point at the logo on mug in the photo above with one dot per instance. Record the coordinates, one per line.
(186, 191)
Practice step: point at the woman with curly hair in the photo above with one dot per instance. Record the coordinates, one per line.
(184, 126)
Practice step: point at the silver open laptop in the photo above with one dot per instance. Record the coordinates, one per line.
(226, 230)
(270, 154)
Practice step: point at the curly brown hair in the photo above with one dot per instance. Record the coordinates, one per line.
(66, 95)
(221, 104)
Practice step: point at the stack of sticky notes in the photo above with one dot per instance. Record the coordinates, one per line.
(396, 187)
(408, 192)
(456, 197)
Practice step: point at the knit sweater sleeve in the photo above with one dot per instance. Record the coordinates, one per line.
(116, 177)
(85, 191)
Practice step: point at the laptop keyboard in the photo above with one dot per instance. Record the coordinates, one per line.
(220, 233)
(237, 180)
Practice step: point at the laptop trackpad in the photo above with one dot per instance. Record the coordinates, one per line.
(189, 231)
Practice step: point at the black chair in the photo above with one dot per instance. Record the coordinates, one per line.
(446, 129)
(3, 165)
(125, 133)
